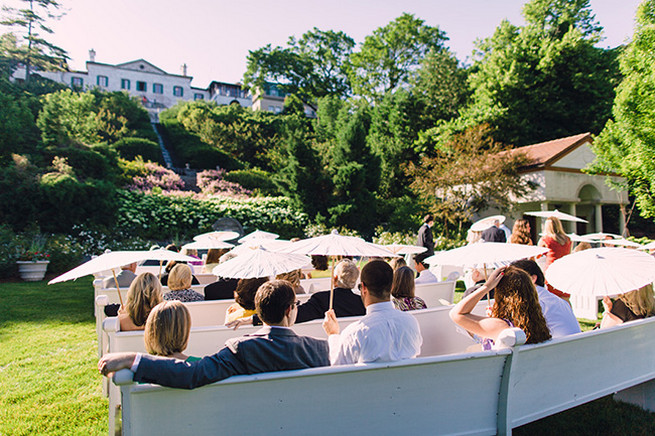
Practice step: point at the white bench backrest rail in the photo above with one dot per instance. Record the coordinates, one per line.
(315, 285)
(434, 293)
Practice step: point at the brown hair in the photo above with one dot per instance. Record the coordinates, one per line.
(180, 277)
(403, 283)
(145, 293)
(214, 255)
(521, 233)
(167, 329)
(516, 300)
(273, 299)
(397, 262)
(292, 277)
(582, 246)
(246, 290)
(319, 262)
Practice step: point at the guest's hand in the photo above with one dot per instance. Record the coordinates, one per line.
(607, 304)
(110, 363)
(239, 322)
(495, 278)
(330, 323)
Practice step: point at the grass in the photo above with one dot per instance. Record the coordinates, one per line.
(49, 383)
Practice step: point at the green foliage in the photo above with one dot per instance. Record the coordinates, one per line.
(87, 162)
(18, 132)
(130, 148)
(254, 180)
(20, 195)
(627, 144)
(9, 251)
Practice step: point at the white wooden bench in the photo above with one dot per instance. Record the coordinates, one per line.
(468, 393)
(585, 306)
(435, 294)
(315, 285)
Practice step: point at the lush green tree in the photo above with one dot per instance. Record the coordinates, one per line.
(389, 57)
(18, 132)
(310, 67)
(627, 144)
(30, 25)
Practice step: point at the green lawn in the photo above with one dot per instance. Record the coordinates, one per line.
(49, 383)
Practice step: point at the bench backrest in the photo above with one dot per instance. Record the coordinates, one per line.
(315, 285)
(434, 293)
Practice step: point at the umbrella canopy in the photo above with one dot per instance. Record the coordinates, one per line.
(601, 236)
(404, 249)
(489, 254)
(621, 242)
(577, 238)
(208, 243)
(116, 259)
(258, 234)
(557, 214)
(602, 271)
(259, 262)
(273, 245)
(335, 244)
(649, 246)
(487, 222)
(218, 236)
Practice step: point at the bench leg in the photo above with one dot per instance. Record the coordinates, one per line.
(642, 395)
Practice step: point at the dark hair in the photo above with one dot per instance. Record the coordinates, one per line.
(214, 254)
(419, 258)
(319, 262)
(427, 218)
(272, 300)
(172, 247)
(246, 290)
(531, 267)
(377, 276)
(403, 282)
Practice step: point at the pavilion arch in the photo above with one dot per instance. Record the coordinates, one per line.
(588, 193)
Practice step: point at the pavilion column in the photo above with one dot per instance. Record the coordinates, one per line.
(599, 218)
(572, 225)
(622, 220)
(540, 221)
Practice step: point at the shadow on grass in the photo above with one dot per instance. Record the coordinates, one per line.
(70, 302)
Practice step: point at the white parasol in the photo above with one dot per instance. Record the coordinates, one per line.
(602, 271)
(258, 234)
(489, 254)
(596, 237)
(557, 214)
(485, 223)
(577, 238)
(620, 242)
(217, 236)
(273, 245)
(208, 243)
(404, 249)
(259, 262)
(116, 259)
(649, 246)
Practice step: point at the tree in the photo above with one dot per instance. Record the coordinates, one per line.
(627, 143)
(468, 174)
(390, 56)
(30, 23)
(310, 67)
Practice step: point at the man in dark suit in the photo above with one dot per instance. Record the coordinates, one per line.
(221, 289)
(494, 233)
(425, 238)
(273, 348)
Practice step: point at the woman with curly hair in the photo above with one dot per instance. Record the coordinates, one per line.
(516, 304)
(521, 233)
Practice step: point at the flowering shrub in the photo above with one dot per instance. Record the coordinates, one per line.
(212, 182)
(33, 256)
(146, 176)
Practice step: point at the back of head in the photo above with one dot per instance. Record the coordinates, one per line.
(272, 300)
(180, 277)
(167, 329)
(582, 246)
(346, 273)
(516, 300)
(420, 259)
(555, 230)
(640, 301)
(246, 290)
(521, 232)
(428, 218)
(397, 262)
(145, 293)
(403, 283)
(293, 277)
(213, 255)
(531, 267)
(377, 276)
(129, 267)
(320, 263)
(172, 247)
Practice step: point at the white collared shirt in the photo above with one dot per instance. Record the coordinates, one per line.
(383, 335)
(558, 313)
(426, 276)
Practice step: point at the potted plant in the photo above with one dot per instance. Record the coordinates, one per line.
(33, 264)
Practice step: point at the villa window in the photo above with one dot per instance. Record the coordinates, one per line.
(157, 88)
(178, 91)
(125, 84)
(103, 81)
(141, 86)
(77, 82)
(198, 96)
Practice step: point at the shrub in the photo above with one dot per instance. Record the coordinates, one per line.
(87, 163)
(212, 182)
(254, 180)
(146, 176)
(130, 148)
(10, 248)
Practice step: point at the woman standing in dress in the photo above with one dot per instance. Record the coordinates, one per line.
(558, 244)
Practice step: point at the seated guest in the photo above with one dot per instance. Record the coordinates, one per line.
(558, 313)
(293, 277)
(516, 305)
(273, 348)
(221, 289)
(384, 334)
(244, 297)
(167, 331)
(192, 252)
(320, 263)
(124, 277)
(167, 270)
(346, 302)
(424, 274)
(397, 262)
(179, 282)
(213, 259)
(632, 305)
(144, 294)
(582, 246)
(477, 276)
(402, 290)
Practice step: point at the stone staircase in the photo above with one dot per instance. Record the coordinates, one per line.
(167, 156)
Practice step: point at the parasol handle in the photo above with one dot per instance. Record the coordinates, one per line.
(120, 297)
(485, 279)
(331, 286)
(161, 262)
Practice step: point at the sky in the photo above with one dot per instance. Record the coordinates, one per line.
(213, 37)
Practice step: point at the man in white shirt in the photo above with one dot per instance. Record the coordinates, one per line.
(558, 313)
(424, 274)
(384, 334)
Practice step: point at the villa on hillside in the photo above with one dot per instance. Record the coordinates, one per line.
(555, 168)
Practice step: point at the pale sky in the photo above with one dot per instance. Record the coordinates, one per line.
(213, 36)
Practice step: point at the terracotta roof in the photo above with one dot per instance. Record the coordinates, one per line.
(545, 153)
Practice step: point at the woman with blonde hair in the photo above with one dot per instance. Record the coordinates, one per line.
(521, 233)
(397, 262)
(293, 277)
(516, 304)
(632, 305)
(145, 293)
(167, 331)
(179, 282)
(402, 290)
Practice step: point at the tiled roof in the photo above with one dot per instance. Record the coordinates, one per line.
(545, 153)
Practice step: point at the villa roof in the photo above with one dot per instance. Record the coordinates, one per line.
(545, 153)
